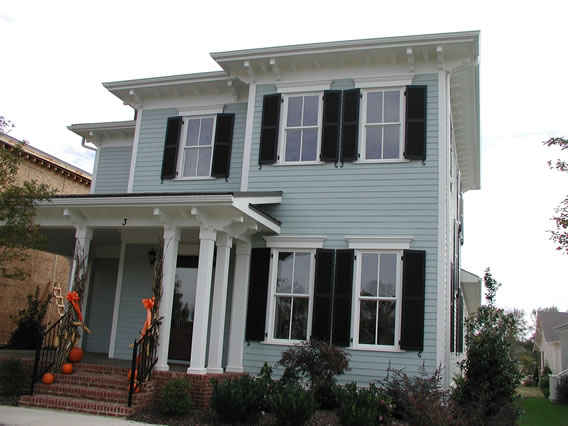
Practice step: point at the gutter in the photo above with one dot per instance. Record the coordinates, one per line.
(84, 145)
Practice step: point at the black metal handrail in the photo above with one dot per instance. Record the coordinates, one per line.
(46, 352)
(143, 360)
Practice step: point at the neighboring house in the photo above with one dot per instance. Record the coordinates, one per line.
(44, 268)
(551, 340)
(303, 191)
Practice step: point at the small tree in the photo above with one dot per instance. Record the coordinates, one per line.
(29, 323)
(560, 235)
(490, 372)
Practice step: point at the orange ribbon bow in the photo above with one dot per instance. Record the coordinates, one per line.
(148, 304)
(73, 298)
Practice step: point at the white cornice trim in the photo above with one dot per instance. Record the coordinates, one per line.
(379, 243)
(294, 241)
(168, 80)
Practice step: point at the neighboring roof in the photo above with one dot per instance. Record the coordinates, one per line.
(46, 160)
(471, 287)
(548, 322)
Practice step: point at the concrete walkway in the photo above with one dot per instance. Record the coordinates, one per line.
(21, 416)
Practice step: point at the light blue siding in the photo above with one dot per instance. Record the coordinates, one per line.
(136, 285)
(100, 305)
(151, 149)
(396, 199)
(113, 169)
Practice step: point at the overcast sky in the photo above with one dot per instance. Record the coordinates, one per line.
(55, 55)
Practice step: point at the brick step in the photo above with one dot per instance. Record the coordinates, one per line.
(77, 405)
(93, 380)
(100, 369)
(142, 398)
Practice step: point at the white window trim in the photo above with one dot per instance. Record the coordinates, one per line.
(356, 305)
(283, 119)
(182, 140)
(294, 242)
(363, 125)
(378, 243)
(271, 309)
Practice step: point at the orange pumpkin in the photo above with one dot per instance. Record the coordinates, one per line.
(67, 368)
(76, 355)
(48, 378)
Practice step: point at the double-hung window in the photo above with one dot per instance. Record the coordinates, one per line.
(301, 126)
(382, 124)
(197, 143)
(377, 289)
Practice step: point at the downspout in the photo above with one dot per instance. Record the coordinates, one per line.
(84, 145)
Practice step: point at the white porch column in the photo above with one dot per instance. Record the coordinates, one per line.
(224, 244)
(239, 308)
(207, 238)
(83, 237)
(171, 243)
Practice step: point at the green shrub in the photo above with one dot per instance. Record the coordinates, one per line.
(562, 390)
(291, 403)
(175, 397)
(235, 399)
(29, 323)
(12, 377)
(362, 406)
(544, 382)
(319, 363)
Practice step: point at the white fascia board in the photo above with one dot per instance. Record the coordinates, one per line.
(139, 201)
(378, 243)
(167, 80)
(108, 126)
(244, 206)
(295, 241)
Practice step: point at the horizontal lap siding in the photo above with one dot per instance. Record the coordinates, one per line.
(113, 169)
(374, 199)
(147, 177)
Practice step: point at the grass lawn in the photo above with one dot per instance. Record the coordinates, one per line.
(540, 411)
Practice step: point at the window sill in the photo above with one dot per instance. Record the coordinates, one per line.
(299, 163)
(375, 349)
(390, 160)
(282, 342)
(195, 178)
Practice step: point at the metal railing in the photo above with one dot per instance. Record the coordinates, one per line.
(554, 382)
(143, 360)
(46, 352)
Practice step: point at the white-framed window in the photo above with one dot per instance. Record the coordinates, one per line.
(196, 146)
(291, 294)
(377, 299)
(382, 118)
(300, 127)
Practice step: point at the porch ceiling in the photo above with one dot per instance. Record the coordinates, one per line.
(236, 213)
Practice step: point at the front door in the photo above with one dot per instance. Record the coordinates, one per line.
(183, 308)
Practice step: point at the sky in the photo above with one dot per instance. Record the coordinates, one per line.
(56, 54)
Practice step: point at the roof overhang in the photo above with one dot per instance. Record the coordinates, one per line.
(471, 288)
(235, 213)
(97, 133)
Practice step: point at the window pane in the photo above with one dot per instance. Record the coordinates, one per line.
(192, 132)
(387, 274)
(374, 142)
(206, 131)
(369, 270)
(311, 110)
(282, 319)
(368, 322)
(300, 318)
(285, 272)
(190, 162)
(302, 273)
(375, 107)
(309, 145)
(294, 111)
(204, 162)
(392, 107)
(386, 323)
(391, 144)
(293, 145)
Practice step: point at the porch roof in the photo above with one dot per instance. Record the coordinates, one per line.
(236, 213)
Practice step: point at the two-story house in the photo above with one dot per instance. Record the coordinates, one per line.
(308, 191)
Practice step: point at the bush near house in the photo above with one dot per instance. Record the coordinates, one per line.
(29, 323)
(175, 398)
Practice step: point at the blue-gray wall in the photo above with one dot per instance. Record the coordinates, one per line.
(372, 199)
(113, 169)
(151, 149)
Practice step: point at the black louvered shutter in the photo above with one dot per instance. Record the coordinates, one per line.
(321, 322)
(222, 146)
(453, 310)
(415, 128)
(413, 280)
(342, 294)
(171, 144)
(258, 290)
(269, 128)
(331, 124)
(350, 125)
(459, 343)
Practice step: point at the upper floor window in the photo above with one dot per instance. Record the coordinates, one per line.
(198, 146)
(301, 128)
(382, 125)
